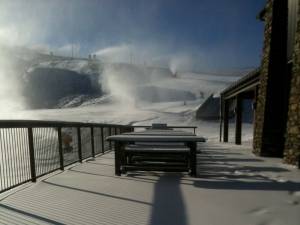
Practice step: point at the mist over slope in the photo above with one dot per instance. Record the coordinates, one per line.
(46, 87)
(41, 81)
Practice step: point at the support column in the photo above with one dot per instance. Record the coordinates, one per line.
(221, 117)
(238, 120)
(226, 120)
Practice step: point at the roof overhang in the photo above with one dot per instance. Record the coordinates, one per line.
(245, 84)
(261, 15)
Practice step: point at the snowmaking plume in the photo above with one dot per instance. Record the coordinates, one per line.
(11, 99)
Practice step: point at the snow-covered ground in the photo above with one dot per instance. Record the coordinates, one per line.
(123, 85)
(106, 110)
(233, 187)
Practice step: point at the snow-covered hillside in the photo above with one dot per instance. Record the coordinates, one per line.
(129, 94)
(124, 81)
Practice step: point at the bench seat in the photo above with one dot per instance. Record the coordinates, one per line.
(156, 149)
(156, 152)
(156, 168)
(156, 157)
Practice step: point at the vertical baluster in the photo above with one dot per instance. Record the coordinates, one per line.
(3, 163)
(110, 144)
(79, 144)
(7, 149)
(102, 139)
(17, 159)
(26, 151)
(92, 140)
(60, 149)
(21, 155)
(12, 156)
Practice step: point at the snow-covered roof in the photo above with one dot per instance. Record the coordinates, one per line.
(250, 80)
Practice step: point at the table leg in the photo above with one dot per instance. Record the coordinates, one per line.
(118, 147)
(193, 159)
(123, 157)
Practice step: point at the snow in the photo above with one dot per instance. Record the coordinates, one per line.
(76, 65)
(209, 77)
(233, 187)
(109, 110)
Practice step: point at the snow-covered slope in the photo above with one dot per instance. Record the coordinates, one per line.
(138, 83)
(125, 81)
(125, 88)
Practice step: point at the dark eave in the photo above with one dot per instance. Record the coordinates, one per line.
(246, 83)
(261, 15)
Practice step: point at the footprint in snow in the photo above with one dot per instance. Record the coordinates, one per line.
(259, 211)
(296, 193)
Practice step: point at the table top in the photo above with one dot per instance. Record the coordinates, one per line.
(149, 126)
(155, 138)
(160, 133)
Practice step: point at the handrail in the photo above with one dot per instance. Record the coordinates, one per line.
(30, 149)
(49, 123)
(142, 126)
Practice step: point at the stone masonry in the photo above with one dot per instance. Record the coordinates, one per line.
(292, 135)
(261, 99)
(292, 145)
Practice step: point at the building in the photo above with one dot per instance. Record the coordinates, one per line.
(209, 109)
(274, 87)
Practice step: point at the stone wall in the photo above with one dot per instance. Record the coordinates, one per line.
(262, 92)
(292, 145)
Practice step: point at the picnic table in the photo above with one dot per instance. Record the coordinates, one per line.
(166, 143)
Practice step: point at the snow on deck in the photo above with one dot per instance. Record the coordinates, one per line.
(233, 187)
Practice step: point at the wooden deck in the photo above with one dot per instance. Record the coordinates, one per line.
(233, 187)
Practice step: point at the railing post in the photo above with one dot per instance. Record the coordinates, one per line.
(92, 140)
(79, 144)
(110, 145)
(31, 154)
(238, 120)
(221, 116)
(61, 155)
(102, 139)
(226, 120)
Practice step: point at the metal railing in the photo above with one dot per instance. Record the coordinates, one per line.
(30, 149)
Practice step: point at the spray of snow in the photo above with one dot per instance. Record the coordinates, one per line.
(119, 84)
(68, 50)
(183, 62)
(130, 83)
(11, 98)
(120, 53)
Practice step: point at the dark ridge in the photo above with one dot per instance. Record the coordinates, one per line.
(44, 87)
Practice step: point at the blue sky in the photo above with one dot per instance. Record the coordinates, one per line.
(210, 34)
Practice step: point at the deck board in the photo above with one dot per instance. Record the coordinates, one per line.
(90, 193)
